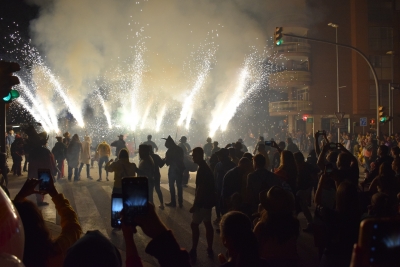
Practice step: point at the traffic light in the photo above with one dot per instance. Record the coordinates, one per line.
(278, 36)
(371, 123)
(381, 112)
(12, 94)
(7, 81)
(382, 116)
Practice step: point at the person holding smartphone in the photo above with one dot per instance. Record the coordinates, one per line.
(40, 249)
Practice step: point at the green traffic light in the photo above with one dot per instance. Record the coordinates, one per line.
(13, 94)
(279, 42)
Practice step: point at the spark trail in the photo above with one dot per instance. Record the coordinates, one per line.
(160, 117)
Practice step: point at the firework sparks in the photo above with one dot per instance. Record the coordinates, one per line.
(160, 117)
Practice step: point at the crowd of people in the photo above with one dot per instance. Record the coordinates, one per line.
(257, 197)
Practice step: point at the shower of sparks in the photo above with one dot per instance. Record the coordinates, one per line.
(187, 108)
(75, 111)
(21, 100)
(225, 112)
(38, 106)
(146, 114)
(160, 117)
(137, 78)
(105, 109)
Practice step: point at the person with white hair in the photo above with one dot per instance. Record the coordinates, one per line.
(85, 156)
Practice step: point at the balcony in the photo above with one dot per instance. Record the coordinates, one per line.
(293, 107)
(289, 78)
(293, 48)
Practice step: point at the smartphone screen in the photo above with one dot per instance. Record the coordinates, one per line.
(268, 143)
(135, 193)
(116, 208)
(44, 176)
(381, 237)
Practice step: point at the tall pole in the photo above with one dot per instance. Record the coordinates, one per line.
(363, 56)
(3, 127)
(337, 81)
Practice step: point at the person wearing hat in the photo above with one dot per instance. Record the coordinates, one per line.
(186, 149)
(119, 144)
(60, 153)
(208, 149)
(67, 138)
(85, 157)
(174, 159)
(278, 243)
(151, 143)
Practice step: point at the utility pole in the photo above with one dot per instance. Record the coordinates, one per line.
(3, 127)
(363, 56)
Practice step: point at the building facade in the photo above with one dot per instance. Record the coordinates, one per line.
(306, 73)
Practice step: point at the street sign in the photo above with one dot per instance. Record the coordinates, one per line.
(339, 115)
(363, 121)
(310, 120)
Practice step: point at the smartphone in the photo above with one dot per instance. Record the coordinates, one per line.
(328, 168)
(333, 145)
(380, 238)
(44, 175)
(116, 208)
(135, 195)
(268, 143)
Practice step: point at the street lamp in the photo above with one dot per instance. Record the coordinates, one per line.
(333, 25)
(391, 122)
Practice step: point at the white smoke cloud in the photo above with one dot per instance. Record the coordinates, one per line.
(95, 42)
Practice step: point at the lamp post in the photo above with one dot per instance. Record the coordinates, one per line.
(391, 122)
(333, 25)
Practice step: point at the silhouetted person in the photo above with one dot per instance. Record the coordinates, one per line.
(151, 143)
(186, 150)
(60, 153)
(74, 151)
(207, 148)
(85, 157)
(146, 168)
(119, 144)
(67, 138)
(104, 152)
(174, 159)
(158, 164)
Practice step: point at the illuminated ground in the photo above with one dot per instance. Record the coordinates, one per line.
(91, 200)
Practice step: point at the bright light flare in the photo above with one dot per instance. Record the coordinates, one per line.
(160, 117)
(106, 112)
(146, 114)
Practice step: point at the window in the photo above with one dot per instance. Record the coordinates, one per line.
(303, 94)
(380, 11)
(383, 95)
(382, 66)
(380, 38)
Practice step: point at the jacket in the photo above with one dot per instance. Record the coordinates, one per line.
(85, 152)
(119, 145)
(104, 150)
(74, 151)
(59, 151)
(121, 168)
(70, 233)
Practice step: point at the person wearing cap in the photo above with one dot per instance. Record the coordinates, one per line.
(119, 144)
(60, 153)
(278, 243)
(208, 149)
(244, 147)
(203, 203)
(222, 167)
(186, 149)
(151, 143)
(174, 159)
(85, 156)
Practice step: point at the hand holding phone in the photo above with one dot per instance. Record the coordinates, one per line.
(135, 195)
(380, 239)
(268, 143)
(46, 182)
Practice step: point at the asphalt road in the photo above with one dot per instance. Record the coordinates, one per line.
(91, 200)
